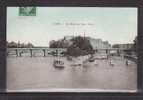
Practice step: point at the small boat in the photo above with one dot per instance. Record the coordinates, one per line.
(128, 62)
(95, 63)
(58, 64)
(91, 59)
(76, 64)
(111, 63)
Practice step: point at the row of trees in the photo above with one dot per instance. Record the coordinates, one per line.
(19, 45)
(59, 44)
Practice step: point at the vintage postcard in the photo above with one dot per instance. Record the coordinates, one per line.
(71, 49)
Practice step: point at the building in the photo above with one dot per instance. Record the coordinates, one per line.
(123, 46)
(99, 44)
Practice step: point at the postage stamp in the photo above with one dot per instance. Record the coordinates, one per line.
(27, 11)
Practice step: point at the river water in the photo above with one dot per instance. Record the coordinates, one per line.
(38, 73)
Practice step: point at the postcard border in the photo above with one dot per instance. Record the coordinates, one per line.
(72, 95)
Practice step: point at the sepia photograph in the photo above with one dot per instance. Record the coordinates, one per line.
(71, 49)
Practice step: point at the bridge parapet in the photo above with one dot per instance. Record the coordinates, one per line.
(19, 51)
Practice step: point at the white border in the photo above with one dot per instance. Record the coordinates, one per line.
(72, 90)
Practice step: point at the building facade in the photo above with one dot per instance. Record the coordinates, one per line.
(99, 44)
(123, 46)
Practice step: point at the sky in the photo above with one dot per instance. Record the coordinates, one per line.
(117, 25)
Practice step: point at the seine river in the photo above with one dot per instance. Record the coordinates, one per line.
(38, 73)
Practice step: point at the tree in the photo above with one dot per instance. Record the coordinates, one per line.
(135, 44)
(29, 45)
(59, 44)
(12, 44)
(53, 44)
(75, 47)
(19, 45)
(83, 43)
(80, 46)
(115, 46)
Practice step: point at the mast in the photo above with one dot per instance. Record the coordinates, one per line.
(84, 35)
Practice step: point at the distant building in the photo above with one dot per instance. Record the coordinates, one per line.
(99, 44)
(123, 46)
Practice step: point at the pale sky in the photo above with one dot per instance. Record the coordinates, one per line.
(116, 25)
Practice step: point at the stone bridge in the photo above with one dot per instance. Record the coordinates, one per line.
(45, 51)
(19, 51)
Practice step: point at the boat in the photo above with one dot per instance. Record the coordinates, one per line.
(111, 63)
(76, 64)
(95, 63)
(58, 64)
(91, 59)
